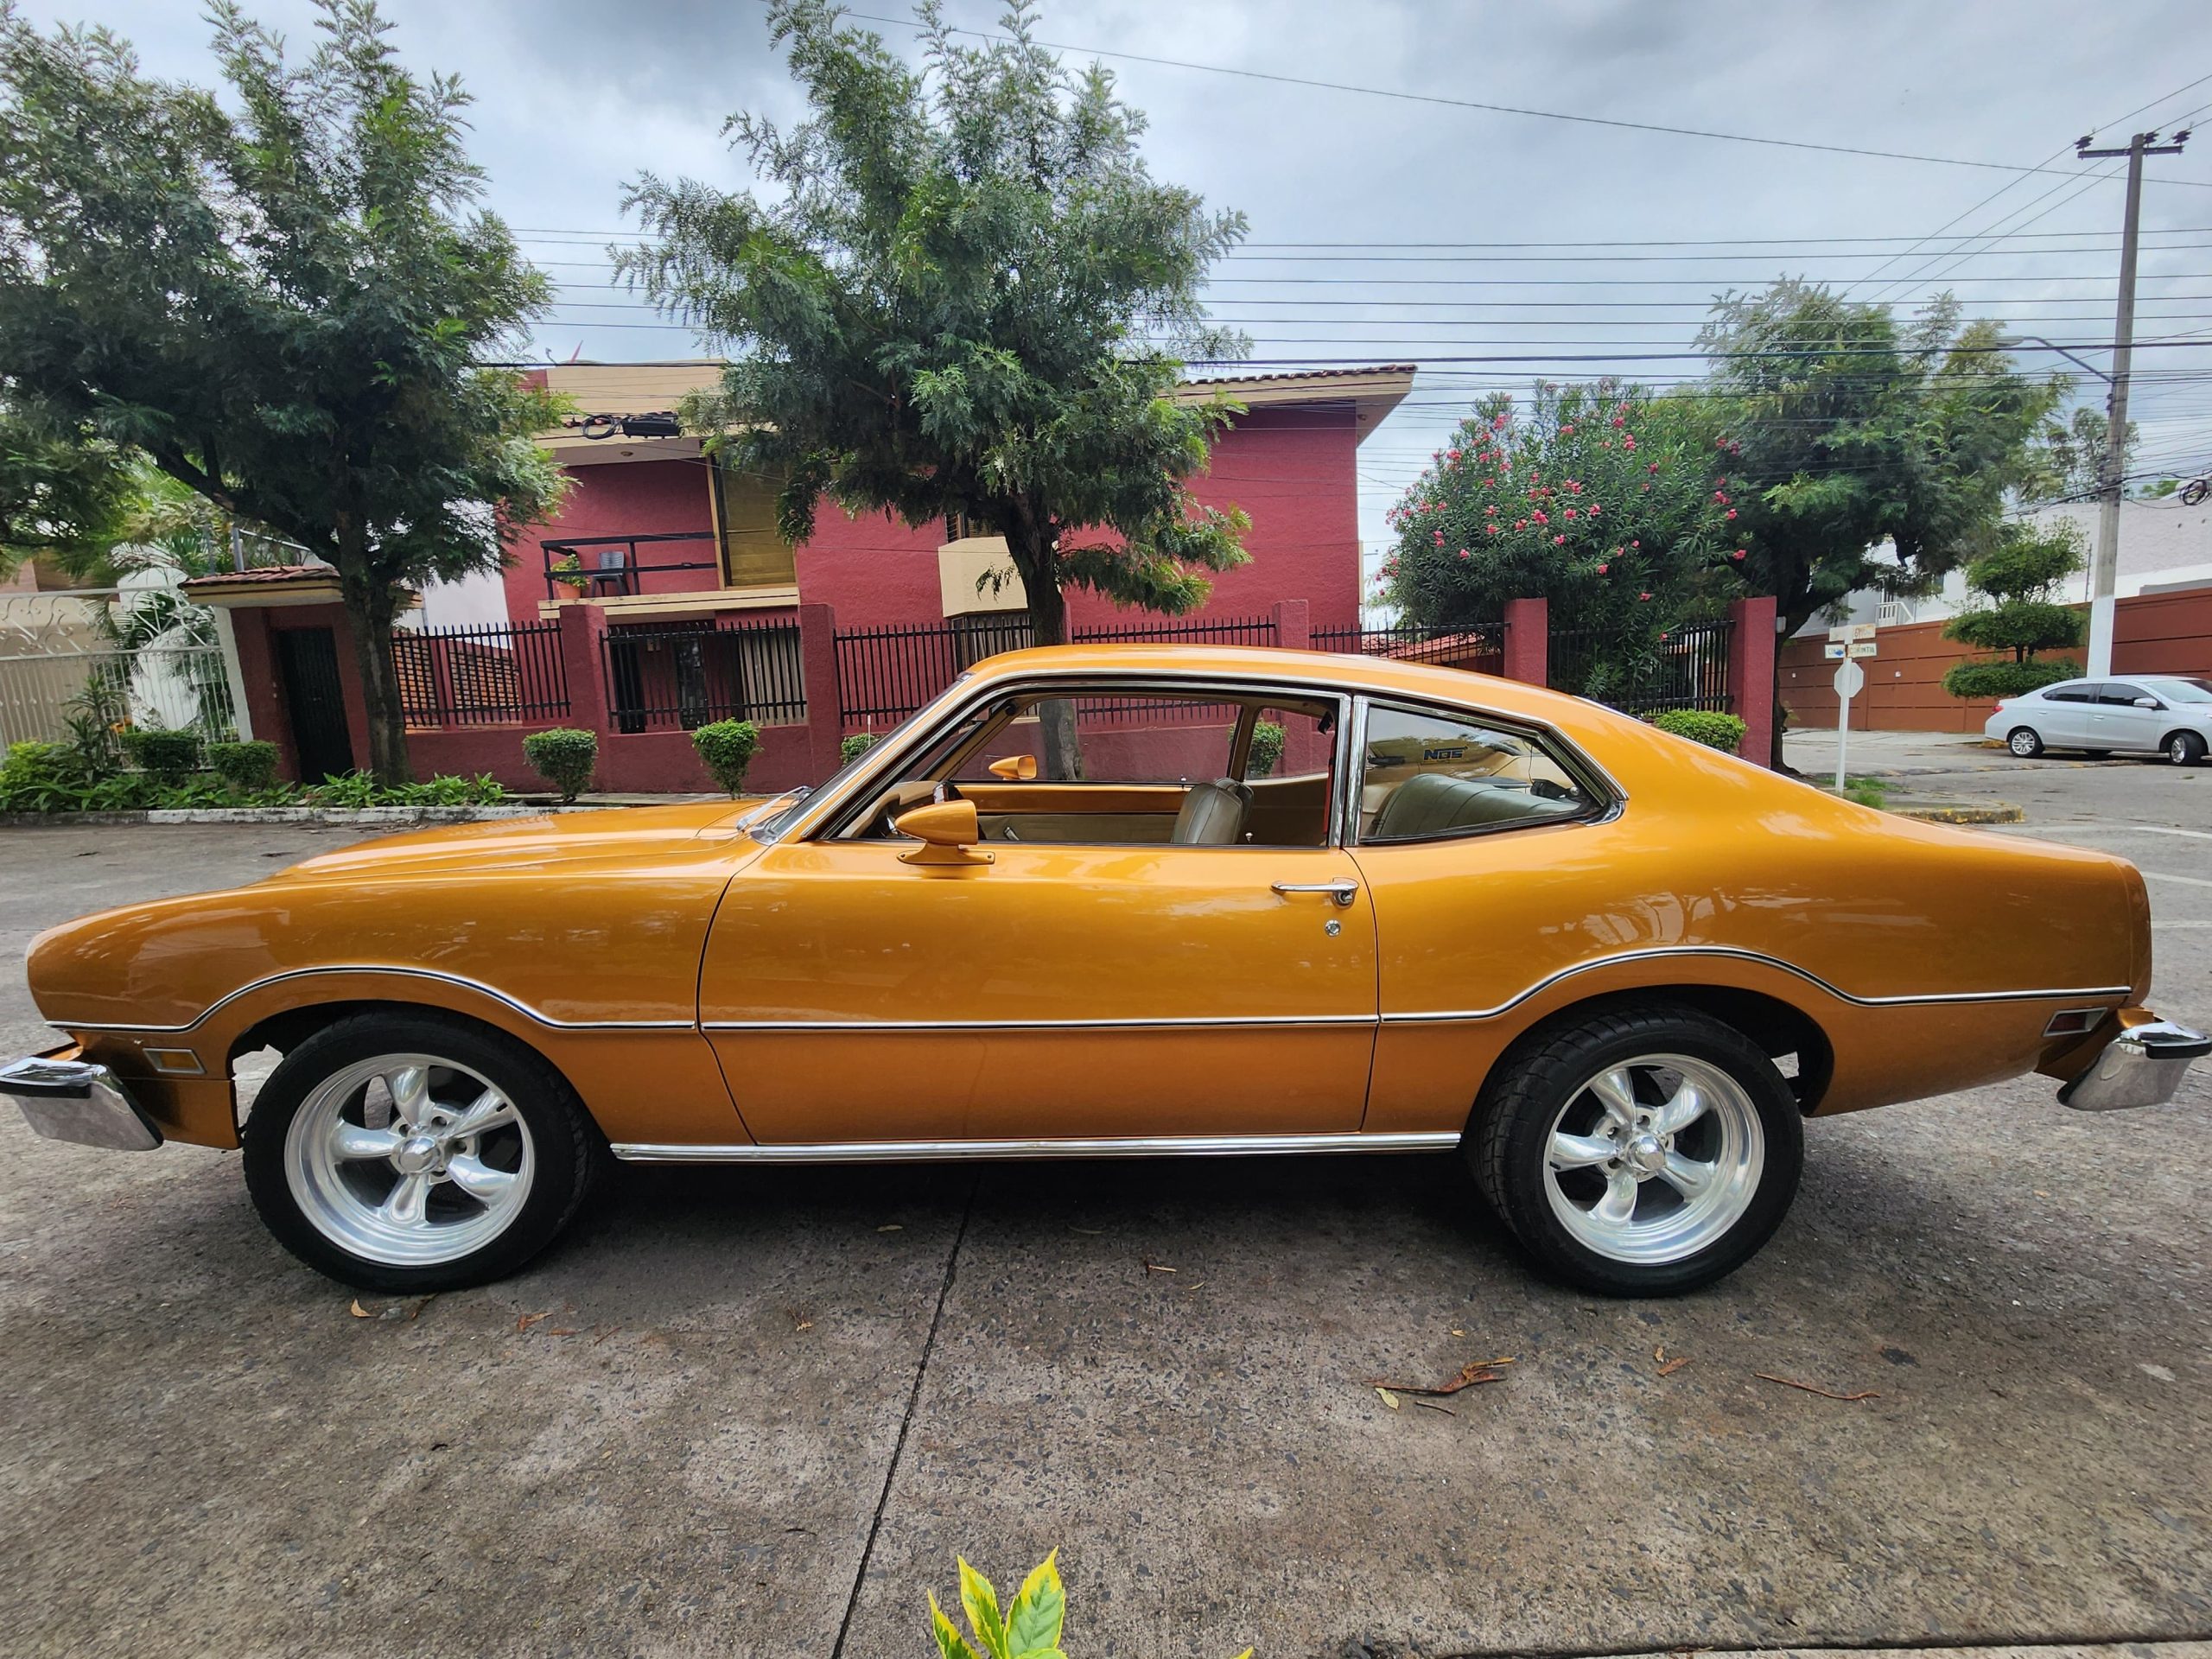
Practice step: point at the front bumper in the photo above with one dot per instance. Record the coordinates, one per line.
(2142, 1067)
(68, 1099)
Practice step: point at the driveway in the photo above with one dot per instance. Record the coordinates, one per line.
(759, 1412)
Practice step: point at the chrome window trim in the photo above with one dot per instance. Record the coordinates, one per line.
(1609, 800)
(491, 991)
(820, 806)
(1171, 1145)
(830, 824)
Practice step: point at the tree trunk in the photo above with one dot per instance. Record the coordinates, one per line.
(1030, 542)
(369, 609)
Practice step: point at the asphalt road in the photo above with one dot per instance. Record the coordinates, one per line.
(746, 1412)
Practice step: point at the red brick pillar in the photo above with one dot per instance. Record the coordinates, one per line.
(825, 714)
(582, 629)
(1294, 625)
(1527, 641)
(1304, 749)
(1751, 674)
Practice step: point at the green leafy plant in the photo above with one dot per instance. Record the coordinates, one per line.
(1714, 729)
(1266, 751)
(563, 757)
(728, 747)
(854, 745)
(569, 571)
(166, 757)
(2014, 612)
(1030, 1629)
(249, 767)
(1867, 792)
(40, 778)
(360, 789)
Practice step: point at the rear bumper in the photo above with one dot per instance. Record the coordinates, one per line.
(2142, 1067)
(65, 1098)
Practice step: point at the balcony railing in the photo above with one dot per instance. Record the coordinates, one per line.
(611, 567)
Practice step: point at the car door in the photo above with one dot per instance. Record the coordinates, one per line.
(2066, 714)
(1061, 990)
(2116, 723)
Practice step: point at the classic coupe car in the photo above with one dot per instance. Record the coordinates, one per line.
(1281, 902)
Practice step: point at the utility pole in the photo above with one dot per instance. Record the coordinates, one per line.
(2111, 470)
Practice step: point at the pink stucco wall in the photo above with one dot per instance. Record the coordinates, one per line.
(638, 498)
(1289, 468)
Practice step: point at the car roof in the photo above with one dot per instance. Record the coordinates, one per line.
(1378, 674)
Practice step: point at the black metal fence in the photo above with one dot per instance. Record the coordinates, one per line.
(609, 567)
(1477, 646)
(496, 675)
(885, 674)
(685, 674)
(1645, 673)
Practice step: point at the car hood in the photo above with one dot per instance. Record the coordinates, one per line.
(554, 839)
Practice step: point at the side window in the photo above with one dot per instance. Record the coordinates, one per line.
(1424, 775)
(2085, 692)
(2118, 694)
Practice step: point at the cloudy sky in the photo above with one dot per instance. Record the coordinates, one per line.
(1390, 222)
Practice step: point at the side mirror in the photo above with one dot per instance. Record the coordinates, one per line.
(948, 832)
(2148, 702)
(1015, 768)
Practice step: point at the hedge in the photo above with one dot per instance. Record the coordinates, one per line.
(1714, 730)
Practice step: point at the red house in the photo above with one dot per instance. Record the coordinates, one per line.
(663, 596)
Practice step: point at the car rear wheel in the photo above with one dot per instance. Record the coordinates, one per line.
(1644, 1152)
(2024, 741)
(410, 1153)
(2185, 749)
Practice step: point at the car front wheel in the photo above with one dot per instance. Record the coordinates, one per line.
(2025, 742)
(411, 1153)
(2185, 749)
(1644, 1152)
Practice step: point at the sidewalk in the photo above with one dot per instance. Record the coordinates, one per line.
(1896, 754)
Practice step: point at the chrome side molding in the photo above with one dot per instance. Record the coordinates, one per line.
(1164, 1145)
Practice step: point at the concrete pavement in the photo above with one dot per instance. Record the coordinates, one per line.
(761, 1411)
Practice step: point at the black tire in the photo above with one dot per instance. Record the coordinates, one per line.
(2024, 741)
(2183, 748)
(566, 1151)
(1509, 1143)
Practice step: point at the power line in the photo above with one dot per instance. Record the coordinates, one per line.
(1488, 108)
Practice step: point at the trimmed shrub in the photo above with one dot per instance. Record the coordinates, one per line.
(728, 747)
(167, 757)
(1266, 752)
(854, 745)
(563, 757)
(1998, 680)
(247, 767)
(1714, 730)
(40, 778)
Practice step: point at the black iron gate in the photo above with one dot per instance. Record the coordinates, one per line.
(315, 701)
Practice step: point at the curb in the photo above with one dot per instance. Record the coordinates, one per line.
(1989, 812)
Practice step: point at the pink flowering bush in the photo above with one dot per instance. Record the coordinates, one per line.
(1609, 503)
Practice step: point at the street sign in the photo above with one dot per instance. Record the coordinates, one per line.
(1849, 681)
(1835, 651)
(1862, 647)
(1852, 630)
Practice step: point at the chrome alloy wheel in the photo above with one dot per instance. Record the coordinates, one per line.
(407, 1160)
(2025, 743)
(1654, 1159)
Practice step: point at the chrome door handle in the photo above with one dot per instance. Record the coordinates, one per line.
(1342, 890)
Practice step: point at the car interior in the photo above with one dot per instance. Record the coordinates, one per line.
(1162, 767)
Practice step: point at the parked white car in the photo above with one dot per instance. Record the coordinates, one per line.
(2152, 713)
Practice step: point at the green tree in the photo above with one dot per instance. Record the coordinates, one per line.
(2014, 583)
(62, 492)
(961, 293)
(1847, 430)
(2068, 460)
(1604, 501)
(284, 298)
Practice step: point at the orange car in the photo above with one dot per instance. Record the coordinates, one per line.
(1281, 903)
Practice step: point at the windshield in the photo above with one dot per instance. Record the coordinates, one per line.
(769, 821)
(2184, 690)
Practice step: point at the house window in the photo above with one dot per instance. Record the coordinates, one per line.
(755, 552)
(959, 526)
